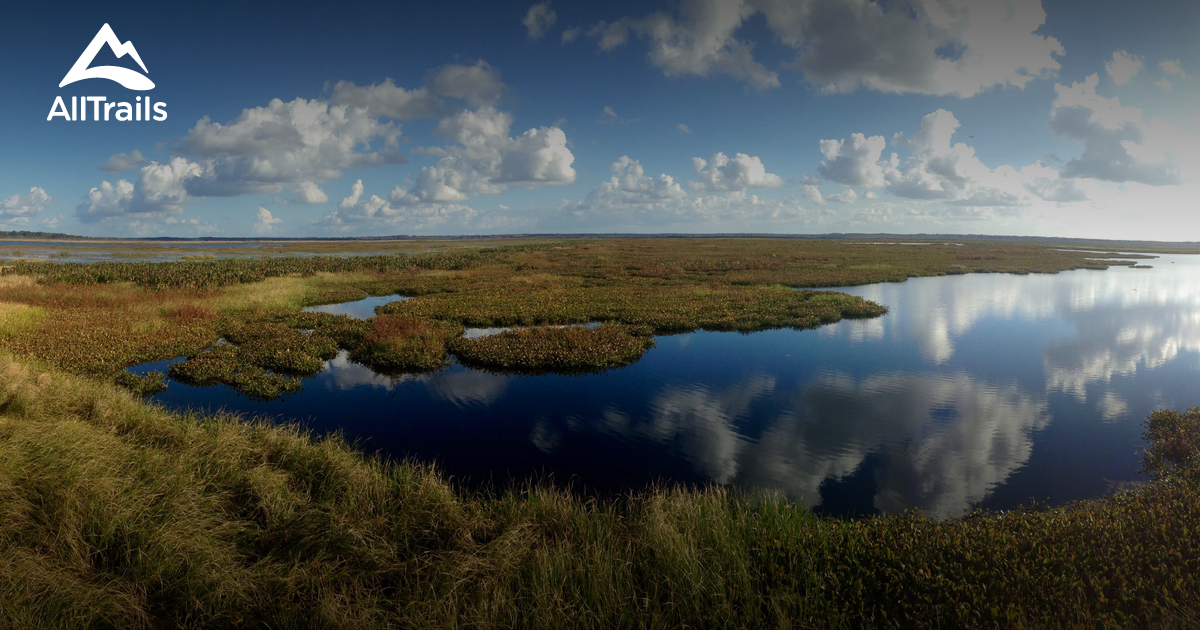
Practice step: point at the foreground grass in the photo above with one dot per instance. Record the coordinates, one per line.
(119, 514)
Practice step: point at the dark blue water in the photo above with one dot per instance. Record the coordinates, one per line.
(987, 389)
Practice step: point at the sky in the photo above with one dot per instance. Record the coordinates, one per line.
(290, 119)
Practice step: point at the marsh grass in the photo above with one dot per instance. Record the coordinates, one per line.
(119, 514)
(399, 343)
(559, 349)
(96, 319)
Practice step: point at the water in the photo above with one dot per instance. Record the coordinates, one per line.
(359, 309)
(985, 389)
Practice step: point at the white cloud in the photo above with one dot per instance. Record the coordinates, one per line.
(870, 194)
(1172, 66)
(1046, 182)
(160, 191)
(632, 198)
(741, 172)
(699, 42)
(571, 34)
(298, 145)
(1163, 83)
(813, 194)
(539, 18)
(267, 148)
(123, 162)
(608, 116)
(939, 170)
(265, 222)
(630, 186)
(936, 47)
(105, 200)
(486, 160)
(1123, 67)
(683, 128)
(1115, 139)
(846, 196)
(387, 99)
(308, 193)
(401, 209)
(18, 208)
(478, 84)
(853, 162)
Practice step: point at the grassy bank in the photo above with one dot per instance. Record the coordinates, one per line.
(119, 514)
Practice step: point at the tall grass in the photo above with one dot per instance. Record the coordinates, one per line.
(116, 513)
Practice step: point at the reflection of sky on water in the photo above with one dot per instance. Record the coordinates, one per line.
(982, 389)
(358, 309)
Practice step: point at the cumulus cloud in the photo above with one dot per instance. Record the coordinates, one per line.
(1122, 67)
(282, 146)
(266, 148)
(299, 145)
(941, 170)
(571, 34)
(105, 200)
(486, 160)
(630, 186)
(265, 222)
(1047, 183)
(741, 172)
(18, 208)
(846, 196)
(683, 128)
(632, 195)
(160, 191)
(308, 193)
(539, 19)
(936, 169)
(1172, 66)
(123, 162)
(698, 42)
(1115, 140)
(813, 194)
(853, 162)
(401, 209)
(478, 84)
(388, 99)
(935, 47)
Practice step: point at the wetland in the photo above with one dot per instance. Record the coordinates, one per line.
(773, 427)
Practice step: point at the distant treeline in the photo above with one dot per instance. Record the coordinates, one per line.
(39, 235)
(1060, 240)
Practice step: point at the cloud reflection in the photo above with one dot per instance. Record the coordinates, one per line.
(945, 440)
(460, 387)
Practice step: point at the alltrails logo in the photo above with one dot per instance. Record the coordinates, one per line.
(102, 108)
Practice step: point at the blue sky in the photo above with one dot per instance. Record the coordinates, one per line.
(802, 116)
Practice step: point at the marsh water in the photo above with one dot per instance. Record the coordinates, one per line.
(989, 390)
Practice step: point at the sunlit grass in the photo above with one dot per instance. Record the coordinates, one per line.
(18, 318)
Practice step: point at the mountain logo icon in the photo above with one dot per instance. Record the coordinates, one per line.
(131, 79)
